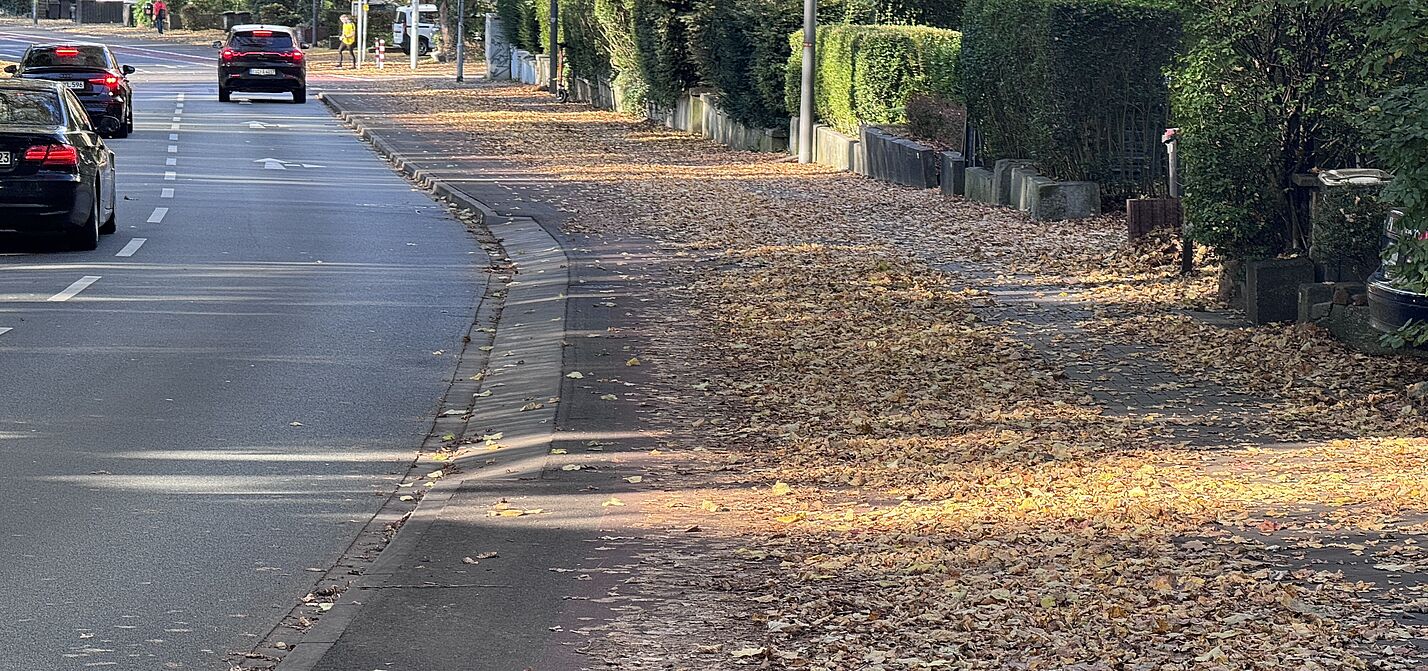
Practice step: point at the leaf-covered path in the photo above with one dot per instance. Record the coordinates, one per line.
(909, 432)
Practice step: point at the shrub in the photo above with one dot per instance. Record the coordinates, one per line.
(616, 22)
(1266, 91)
(935, 13)
(740, 47)
(278, 13)
(662, 45)
(518, 17)
(867, 74)
(1076, 85)
(585, 51)
(1348, 225)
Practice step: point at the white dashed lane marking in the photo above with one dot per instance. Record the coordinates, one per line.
(173, 149)
(158, 216)
(173, 137)
(167, 193)
(79, 285)
(170, 176)
(170, 161)
(132, 247)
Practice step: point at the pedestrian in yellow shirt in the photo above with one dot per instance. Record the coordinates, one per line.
(348, 42)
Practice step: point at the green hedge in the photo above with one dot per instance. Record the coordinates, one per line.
(615, 21)
(934, 13)
(661, 33)
(586, 51)
(866, 74)
(1078, 86)
(740, 48)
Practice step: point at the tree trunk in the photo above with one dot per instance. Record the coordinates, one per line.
(448, 45)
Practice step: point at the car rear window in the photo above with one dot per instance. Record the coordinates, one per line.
(30, 108)
(66, 57)
(262, 39)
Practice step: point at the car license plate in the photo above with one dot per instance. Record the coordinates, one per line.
(4, 159)
(262, 71)
(76, 85)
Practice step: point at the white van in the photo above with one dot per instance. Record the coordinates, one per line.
(426, 29)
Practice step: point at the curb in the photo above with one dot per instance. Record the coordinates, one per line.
(537, 346)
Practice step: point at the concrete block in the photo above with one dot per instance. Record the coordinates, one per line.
(1059, 201)
(540, 63)
(1272, 288)
(498, 49)
(981, 186)
(1311, 295)
(1029, 196)
(1001, 173)
(682, 109)
(954, 174)
(793, 135)
(1020, 196)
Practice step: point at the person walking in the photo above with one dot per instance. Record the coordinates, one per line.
(161, 14)
(348, 41)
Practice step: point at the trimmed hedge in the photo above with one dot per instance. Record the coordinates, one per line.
(586, 52)
(661, 32)
(740, 48)
(519, 19)
(934, 13)
(1078, 86)
(615, 21)
(867, 74)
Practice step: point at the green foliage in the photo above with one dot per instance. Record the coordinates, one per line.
(1411, 334)
(278, 13)
(1076, 85)
(1267, 90)
(661, 32)
(585, 51)
(935, 13)
(1395, 55)
(740, 48)
(867, 74)
(519, 18)
(615, 19)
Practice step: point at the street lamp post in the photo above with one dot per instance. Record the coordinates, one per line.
(460, 41)
(313, 40)
(555, 54)
(35, 12)
(805, 100)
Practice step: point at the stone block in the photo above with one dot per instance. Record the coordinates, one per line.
(1272, 288)
(1059, 201)
(954, 174)
(1020, 196)
(834, 149)
(498, 48)
(1319, 311)
(541, 64)
(1028, 197)
(1311, 295)
(1001, 173)
(981, 186)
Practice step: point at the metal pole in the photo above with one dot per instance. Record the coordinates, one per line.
(361, 33)
(460, 41)
(414, 42)
(313, 39)
(79, 12)
(805, 102)
(35, 12)
(555, 46)
(1187, 246)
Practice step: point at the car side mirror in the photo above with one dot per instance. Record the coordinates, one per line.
(217, 44)
(128, 69)
(12, 69)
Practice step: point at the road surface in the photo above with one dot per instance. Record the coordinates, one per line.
(206, 407)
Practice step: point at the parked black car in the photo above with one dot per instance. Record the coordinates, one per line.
(94, 75)
(262, 59)
(56, 175)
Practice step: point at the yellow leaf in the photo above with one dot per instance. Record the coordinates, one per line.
(613, 502)
(781, 489)
(634, 361)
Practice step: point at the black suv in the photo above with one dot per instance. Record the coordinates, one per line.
(92, 73)
(262, 59)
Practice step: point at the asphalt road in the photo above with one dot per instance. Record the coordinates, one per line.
(160, 509)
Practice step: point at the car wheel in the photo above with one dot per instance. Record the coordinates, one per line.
(300, 95)
(87, 238)
(128, 124)
(112, 223)
(222, 94)
(423, 47)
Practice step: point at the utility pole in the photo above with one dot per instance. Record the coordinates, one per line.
(805, 101)
(313, 39)
(414, 42)
(555, 54)
(35, 12)
(361, 33)
(460, 41)
(79, 12)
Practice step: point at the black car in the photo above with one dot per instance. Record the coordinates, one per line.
(93, 74)
(262, 59)
(56, 175)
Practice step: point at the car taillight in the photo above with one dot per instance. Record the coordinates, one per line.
(53, 155)
(227, 54)
(66, 51)
(111, 82)
(296, 56)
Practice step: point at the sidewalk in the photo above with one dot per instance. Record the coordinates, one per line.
(821, 422)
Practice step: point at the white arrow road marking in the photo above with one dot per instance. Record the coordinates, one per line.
(5, 329)
(79, 285)
(271, 164)
(132, 247)
(158, 216)
(258, 125)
